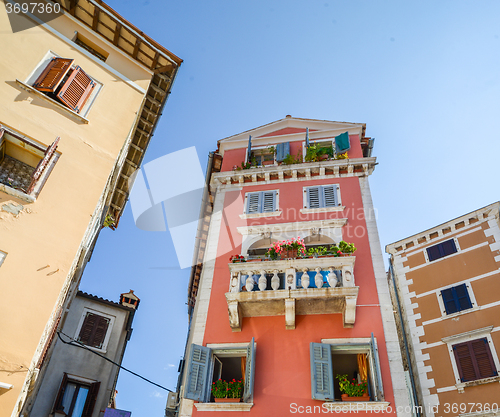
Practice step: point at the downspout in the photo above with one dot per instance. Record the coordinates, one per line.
(405, 341)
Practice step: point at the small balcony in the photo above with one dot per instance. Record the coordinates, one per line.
(323, 285)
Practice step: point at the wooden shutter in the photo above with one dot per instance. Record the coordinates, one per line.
(375, 362)
(76, 90)
(42, 165)
(91, 399)
(93, 331)
(321, 372)
(249, 372)
(253, 203)
(474, 360)
(268, 201)
(53, 74)
(313, 197)
(60, 394)
(282, 150)
(198, 371)
(330, 196)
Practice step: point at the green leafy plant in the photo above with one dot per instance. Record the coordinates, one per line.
(347, 247)
(225, 389)
(342, 156)
(317, 251)
(237, 258)
(110, 222)
(315, 151)
(352, 388)
(290, 159)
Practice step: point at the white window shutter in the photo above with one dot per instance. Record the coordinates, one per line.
(268, 201)
(253, 201)
(330, 195)
(379, 390)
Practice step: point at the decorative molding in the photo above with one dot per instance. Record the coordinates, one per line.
(223, 406)
(289, 227)
(261, 215)
(464, 337)
(322, 210)
(356, 406)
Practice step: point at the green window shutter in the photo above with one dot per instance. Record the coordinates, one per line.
(330, 196)
(314, 197)
(249, 372)
(379, 390)
(321, 372)
(342, 143)
(253, 203)
(268, 201)
(198, 371)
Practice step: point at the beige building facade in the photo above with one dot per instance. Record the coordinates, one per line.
(80, 98)
(447, 281)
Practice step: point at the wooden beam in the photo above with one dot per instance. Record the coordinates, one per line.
(72, 6)
(117, 34)
(95, 20)
(136, 47)
(155, 60)
(162, 69)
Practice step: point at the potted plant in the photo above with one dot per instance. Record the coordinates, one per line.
(317, 251)
(290, 248)
(347, 248)
(352, 390)
(237, 258)
(227, 392)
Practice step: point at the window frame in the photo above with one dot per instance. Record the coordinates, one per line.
(3, 255)
(438, 245)
(453, 289)
(261, 213)
(200, 369)
(350, 345)
(90, 400)
(306, 199)
(450, 341)
(41, 67)
(48, 158)
(109, 329)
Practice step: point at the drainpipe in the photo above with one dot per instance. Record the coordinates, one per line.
(405, 341)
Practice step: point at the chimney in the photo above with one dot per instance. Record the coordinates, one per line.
(129, 299)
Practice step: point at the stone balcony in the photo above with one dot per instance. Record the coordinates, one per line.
(296, 172)
(323, 285)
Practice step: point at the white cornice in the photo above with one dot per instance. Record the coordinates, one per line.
(291, 227)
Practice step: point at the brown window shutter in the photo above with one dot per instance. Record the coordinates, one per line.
(93, 331)
(53, 74)
(76, 90)
(91, 399)
(42, 165)
(60, 394)
(484, 360)
(474, 360)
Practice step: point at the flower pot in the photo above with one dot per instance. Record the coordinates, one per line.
(227, 400)
(365, 397)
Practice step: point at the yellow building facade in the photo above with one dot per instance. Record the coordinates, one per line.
(80, 97)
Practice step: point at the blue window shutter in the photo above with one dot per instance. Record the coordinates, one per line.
(321, 372)
(462, 297)
(449, 301)
(198, 371)
(433, 253)
(379, 390)
(253, 203)
(268, 201)
(342, 143)
(282, 150)
(249, 150)
(314, 197)
(448, 247)
(249, 372)
(330, 196)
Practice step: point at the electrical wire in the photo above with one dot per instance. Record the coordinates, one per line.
(74, 342)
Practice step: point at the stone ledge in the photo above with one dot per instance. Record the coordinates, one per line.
(223, 406)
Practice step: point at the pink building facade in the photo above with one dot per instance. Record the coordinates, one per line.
(288, 327)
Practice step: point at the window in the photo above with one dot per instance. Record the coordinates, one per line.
(206, 365)
(474, 360)
(261, 202)
(91, 47)
(261, 157)
(60, 81)
(441, 250)
(358, 358)
(25, 164)
(75, 397)
(2, 257)
(94, 329)
(322, 196)
(456, 299)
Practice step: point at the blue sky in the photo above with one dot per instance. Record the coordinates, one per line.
(424, 77)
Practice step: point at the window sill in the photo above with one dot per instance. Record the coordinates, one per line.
(461, 386)
(322, 210)
(16, 193)
(260, 215)
(34, 91)
(460, 313)
(223, 406)
(355, 406)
